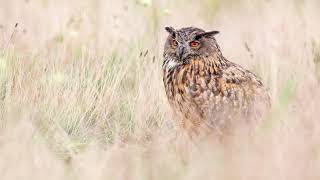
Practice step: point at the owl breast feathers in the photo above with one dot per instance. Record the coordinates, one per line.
(205, 89)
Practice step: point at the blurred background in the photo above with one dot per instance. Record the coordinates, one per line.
(81, 94)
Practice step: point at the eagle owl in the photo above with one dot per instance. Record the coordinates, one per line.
(207, 91)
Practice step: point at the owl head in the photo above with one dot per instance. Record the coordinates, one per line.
(189, 42)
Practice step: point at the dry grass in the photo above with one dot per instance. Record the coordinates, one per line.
(81, 95)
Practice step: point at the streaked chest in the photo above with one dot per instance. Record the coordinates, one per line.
(189, 82)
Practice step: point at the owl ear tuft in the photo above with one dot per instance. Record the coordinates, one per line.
(207, 34)
(171, 31)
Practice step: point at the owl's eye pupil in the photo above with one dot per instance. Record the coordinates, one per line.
(194, 44)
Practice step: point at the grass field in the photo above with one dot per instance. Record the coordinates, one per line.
(81, 93)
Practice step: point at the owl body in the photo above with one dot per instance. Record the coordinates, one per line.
(207, 91)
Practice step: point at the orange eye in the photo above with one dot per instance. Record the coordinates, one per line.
(174, 43)
(194, 43)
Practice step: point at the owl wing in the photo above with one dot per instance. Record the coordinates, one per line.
(234, 91)
(237, 84)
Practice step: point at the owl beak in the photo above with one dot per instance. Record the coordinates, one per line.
(181, 51)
